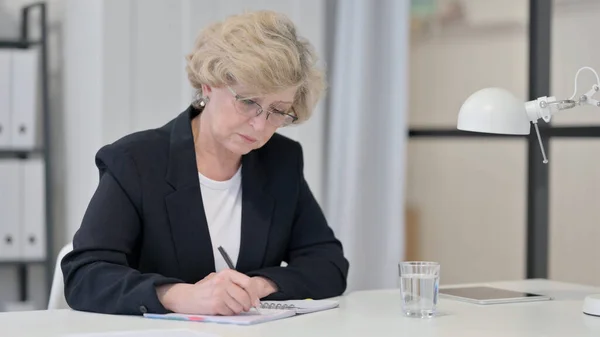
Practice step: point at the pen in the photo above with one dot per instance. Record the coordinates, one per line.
(231, 266)
(226, 257)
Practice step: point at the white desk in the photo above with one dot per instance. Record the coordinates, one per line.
(369, 313)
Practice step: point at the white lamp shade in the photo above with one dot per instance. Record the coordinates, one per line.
(494, 110)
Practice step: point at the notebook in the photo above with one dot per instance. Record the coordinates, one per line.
(301, 306)
(146, 333)
(270, 311)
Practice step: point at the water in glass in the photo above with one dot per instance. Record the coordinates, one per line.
(419, 289)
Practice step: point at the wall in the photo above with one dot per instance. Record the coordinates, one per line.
(115, 51)
(122, 48)
(470, 195)
(574, 177)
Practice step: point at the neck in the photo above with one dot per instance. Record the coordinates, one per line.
(212, 159)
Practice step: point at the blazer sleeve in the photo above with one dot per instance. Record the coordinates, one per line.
(316, 266)
(97, 273)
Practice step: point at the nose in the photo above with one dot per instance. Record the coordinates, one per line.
(259, 122)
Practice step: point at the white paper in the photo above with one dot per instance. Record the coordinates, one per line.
(246, 318)
(146, 333)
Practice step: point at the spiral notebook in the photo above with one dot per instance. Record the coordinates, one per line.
(270, 311)
(301, 306)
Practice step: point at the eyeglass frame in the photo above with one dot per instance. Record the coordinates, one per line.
(260, 109)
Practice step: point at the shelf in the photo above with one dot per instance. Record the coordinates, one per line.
(574, 131)
(435, 132)
(27, 40)
(7, 153)
(565, 6)
(462, 30)
(428, 30)
(18, 44)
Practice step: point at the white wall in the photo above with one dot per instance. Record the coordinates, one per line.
(470, 195)
(112, 49)
(574, 174)
(126, 73)
(105, 60)
(105, 85)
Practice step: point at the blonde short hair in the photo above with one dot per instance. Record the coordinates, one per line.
(262, 51)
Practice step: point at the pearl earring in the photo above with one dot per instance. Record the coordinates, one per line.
(204, 101)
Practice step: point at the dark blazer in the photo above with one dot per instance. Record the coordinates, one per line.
(145, 225)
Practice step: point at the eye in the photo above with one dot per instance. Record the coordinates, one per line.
(278, 116)
(247, 102)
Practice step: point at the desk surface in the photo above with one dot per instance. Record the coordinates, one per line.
(367, 313)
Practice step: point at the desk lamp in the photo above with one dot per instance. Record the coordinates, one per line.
(496, 110)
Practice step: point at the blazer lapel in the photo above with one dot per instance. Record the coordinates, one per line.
(257, 211)
(184, 206)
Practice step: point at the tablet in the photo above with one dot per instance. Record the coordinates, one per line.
(490, 295)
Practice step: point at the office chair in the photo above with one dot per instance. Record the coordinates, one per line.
(57, 292)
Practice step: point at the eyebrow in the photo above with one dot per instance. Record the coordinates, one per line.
(272, 103)
(254, 98)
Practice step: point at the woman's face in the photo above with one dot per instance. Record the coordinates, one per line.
(231, 116)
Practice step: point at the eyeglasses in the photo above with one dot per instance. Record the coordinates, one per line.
(250, 108)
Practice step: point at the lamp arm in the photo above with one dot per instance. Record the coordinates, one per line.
(590, 93)
(544, 107)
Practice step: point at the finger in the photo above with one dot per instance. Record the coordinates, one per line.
(237, 278)
(240, 295)
(223, 309)
(232, 303)
(245, 282)
(220, 297)
(207, 278)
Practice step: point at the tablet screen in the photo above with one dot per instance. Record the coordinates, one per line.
(487, 293)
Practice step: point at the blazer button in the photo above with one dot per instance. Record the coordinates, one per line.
(143, 309)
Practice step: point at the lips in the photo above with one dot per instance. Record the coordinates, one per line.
(247, 138)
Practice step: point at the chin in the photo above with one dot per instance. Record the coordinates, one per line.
(241, 149)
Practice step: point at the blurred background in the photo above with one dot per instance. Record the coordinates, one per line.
(382, 154)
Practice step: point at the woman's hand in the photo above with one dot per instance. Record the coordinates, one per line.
(225, 293)
(264, 287)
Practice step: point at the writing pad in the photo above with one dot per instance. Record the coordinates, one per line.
(490, 295)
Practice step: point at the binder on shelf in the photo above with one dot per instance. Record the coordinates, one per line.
(33, 210)
(5, 98)
(25, 117)
(10, 215)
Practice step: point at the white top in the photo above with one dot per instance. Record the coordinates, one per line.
(364, 313)
(223, 208)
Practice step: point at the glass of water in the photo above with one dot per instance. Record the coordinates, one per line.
(419, 282)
